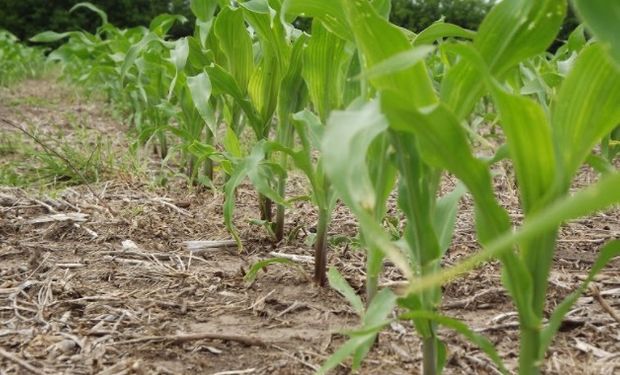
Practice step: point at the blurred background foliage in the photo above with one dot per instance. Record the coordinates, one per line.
(25, 18)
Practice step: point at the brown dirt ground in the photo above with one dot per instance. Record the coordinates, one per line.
(73, 301)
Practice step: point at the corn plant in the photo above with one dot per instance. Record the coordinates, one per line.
(426, 133)
(18, 61)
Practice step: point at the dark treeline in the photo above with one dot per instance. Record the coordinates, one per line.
(25, 18)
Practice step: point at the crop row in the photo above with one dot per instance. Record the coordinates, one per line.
(362, 107)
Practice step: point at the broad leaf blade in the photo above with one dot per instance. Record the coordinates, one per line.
(601, 17)
(339, 283)
(586, 109)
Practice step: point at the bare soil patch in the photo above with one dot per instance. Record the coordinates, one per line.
(76, 299)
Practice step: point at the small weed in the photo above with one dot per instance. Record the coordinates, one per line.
(60, 164)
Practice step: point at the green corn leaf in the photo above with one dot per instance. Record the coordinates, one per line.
(179, 54)
(601, 17)
(364, 337)
(271, 35)
(378, 40)
(512, 31)
(91, 7)
(197, 58)
(397, 63)
(293, 91)
(201, 150)
(600, 164)
(344, 352)
(348, 136)
(303, 161)
(527, 130)
(606, 254)
(439, 30)
(445, 216)
(134, 52)
(382, 172)
(252, 273)
(161, 24)
(204, 9)
(236, 44)
(223, 82)
(375, 318)
(267, 76)
(517, 29)
(50, 36)
(443, 144)
(258, 6)
(325, 64)
(259, 172)
(200, 89)
(416, 195)
(586, 109)
(232, 144)
(528, 134)
(336, 281)
(329, 12)
(178, 57)
(312, 126)
(263, 90)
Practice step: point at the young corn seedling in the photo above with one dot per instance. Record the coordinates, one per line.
(17, 61)
(251, 83)
(326, 62)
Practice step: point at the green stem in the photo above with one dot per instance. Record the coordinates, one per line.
(529, 361)
(191, 168)
(208, 166)
(429, 356)
(320, 248)
(374, 264)
(265, 208)
(286, 136)
(280, 210)
(163, 145)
